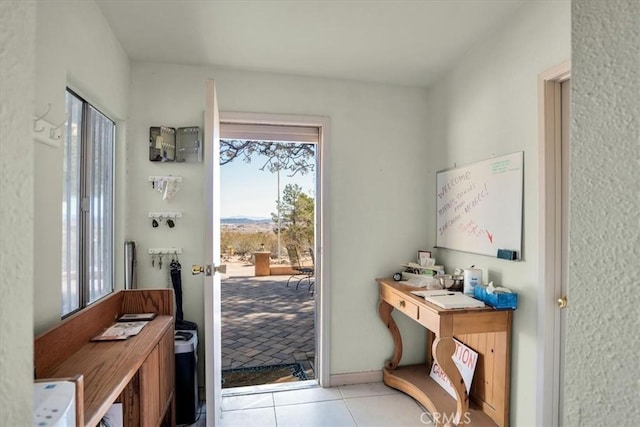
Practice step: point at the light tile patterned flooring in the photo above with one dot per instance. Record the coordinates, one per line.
(362, 405)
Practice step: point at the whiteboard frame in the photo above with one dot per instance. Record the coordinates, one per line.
(519, 207)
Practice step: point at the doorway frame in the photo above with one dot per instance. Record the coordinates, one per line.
(549, 248)
(322, 243)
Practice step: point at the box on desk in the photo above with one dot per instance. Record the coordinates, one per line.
(497, 299)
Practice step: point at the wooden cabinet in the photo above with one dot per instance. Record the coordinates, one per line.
(167, 360)
(155, 383)
(150, 386)
(137, 372)
(486, 330)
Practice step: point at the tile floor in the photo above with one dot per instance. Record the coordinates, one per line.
(362, 405)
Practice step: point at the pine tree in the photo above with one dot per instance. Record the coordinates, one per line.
(296, 216)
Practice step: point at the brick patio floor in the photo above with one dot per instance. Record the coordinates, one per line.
(266, 323)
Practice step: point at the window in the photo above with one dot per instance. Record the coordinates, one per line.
(87, 205)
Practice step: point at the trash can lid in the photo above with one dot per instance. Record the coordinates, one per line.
(185, 341)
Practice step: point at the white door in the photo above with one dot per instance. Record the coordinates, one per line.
(554, 86)
(211, 147)
(564, 239)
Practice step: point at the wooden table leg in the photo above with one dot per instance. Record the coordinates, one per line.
(385, 310)
(431, 337)
(443, 349)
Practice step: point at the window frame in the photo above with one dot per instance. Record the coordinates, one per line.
(84, 193)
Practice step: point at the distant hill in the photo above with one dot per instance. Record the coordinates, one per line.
(247, 225)
(243, 220)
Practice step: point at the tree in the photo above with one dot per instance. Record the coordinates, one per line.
(297, 216)
(281, 156)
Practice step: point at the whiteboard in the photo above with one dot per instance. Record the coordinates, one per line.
(479, 206)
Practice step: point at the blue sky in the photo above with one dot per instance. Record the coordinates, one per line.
(249, 192)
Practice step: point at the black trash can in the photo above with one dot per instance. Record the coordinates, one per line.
(186, 350)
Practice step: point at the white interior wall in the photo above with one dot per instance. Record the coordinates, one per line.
(602, 375)
(75, 47)
(17, 73)
(608, 395)
(488, 105)
(377, 155)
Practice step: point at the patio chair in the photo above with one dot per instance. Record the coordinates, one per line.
(313, 262)
(300, 271)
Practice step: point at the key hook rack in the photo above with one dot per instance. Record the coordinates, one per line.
(165, 178)
(165, 251)
(159, 253)
(165, 215)
(168, 185)
(158, 217)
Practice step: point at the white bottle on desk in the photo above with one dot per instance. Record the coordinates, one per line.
(472, 278)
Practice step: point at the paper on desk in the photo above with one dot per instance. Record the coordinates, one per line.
(448, 299)
(120, 331)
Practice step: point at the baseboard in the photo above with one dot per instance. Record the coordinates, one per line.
(355, 378)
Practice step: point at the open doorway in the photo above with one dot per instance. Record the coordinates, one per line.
(269, 176)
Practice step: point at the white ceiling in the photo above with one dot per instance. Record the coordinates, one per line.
(398, 42)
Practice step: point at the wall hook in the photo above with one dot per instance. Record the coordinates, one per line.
(38, 118)
(53, 132)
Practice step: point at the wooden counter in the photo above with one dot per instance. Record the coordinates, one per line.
(486, 330)
(138, 372)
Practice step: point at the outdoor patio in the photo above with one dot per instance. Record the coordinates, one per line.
(264, 322)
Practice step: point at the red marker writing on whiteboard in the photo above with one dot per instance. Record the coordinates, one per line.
(489, 235)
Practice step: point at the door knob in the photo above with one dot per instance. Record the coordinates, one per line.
(208, 270)
(562, 302)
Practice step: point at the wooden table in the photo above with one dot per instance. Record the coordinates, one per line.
(137, 372)
(485, 330)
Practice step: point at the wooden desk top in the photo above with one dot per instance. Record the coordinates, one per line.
(108, 366)
(456, 321)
